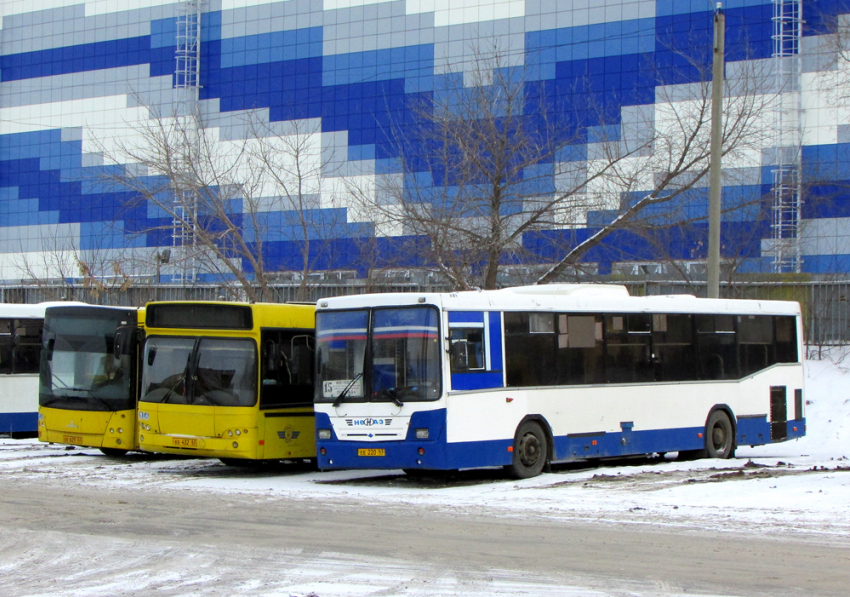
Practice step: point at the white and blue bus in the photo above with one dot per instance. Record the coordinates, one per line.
(524, 377)
(20, 346)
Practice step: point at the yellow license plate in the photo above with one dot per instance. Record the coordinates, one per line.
(72, 439)
(371, 452)
(184, 442)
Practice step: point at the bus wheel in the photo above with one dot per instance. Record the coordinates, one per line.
(530, 451)
(113, 452)
(720, 439)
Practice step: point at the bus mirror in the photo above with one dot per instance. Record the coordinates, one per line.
(151, 355)
(124, 339)
(460, 356)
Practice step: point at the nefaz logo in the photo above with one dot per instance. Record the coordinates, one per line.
(367, 422)
(288, 434)
(143, 416)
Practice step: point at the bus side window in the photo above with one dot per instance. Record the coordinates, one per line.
(26, 346)
(580, 349)
(627, 348)
(5, 346)
(716, 352)
(786, 339)
(530, 345)
(755, 343)
(467, 349)
(673, 353)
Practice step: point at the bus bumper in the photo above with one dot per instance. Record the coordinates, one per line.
(206, 447)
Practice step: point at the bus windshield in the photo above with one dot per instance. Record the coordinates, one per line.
(393, 351)
(79, 369)
(205, 371)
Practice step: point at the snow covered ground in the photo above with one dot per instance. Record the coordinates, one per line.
(801, 486)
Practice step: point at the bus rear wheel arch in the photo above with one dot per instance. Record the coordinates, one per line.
(530, 450)
(719, 435)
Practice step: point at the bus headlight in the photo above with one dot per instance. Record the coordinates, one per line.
(238, 432)
(230, 432)
(120, 430)
(421, 434)
(235, 445)
(324, 433)
(111, 430)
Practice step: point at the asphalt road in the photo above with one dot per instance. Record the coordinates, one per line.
(63, 537)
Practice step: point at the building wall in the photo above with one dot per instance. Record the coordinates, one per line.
(77, 79)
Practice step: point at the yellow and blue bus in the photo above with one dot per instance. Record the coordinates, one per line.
(88, 377)
(232, 381)
(524, 377)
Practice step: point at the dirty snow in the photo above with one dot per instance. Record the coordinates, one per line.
(801, 486)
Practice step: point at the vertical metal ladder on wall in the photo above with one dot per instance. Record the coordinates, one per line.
(187, 80)
(785, 249)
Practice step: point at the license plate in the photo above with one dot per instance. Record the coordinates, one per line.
(72, 439)
(184, 442)
(371, 452)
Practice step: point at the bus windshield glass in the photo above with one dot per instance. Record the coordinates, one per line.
(395, 352)
(79, 369)
(205, 371)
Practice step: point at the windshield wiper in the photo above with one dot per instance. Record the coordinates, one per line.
(392, 394)
(346, 389)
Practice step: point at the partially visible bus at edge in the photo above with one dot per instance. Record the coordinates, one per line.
(89, 377)
(527, 376)
(20, 346)
(232, 381)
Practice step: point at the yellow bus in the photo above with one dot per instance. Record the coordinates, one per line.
(88, 377)
(232, 381)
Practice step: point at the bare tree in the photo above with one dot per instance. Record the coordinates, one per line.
(481, 166)
(58, 266)
(678, 163)
(494, 157)
(215, 199)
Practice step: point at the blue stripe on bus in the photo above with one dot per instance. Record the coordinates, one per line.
(18, 422)
(466, 317)
(481, 380)
(441, 456)
(496, 342)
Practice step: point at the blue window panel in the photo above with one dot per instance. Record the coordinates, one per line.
(826, 264)
(378, 65)
(101, 236)
(826, 162)
(164, 32)
(827, 200)
(361, 152)
(79, 58)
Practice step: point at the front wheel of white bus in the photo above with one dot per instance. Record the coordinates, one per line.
(531, 449)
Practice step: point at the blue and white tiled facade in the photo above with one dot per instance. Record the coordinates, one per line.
(76, 76)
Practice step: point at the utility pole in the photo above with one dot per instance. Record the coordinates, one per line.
(714, 183)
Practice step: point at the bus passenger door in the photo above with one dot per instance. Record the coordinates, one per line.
(286, 394)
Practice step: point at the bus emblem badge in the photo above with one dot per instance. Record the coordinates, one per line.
(72, 426)
(288, 434)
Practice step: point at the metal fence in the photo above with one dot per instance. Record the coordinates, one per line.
(825, 303)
